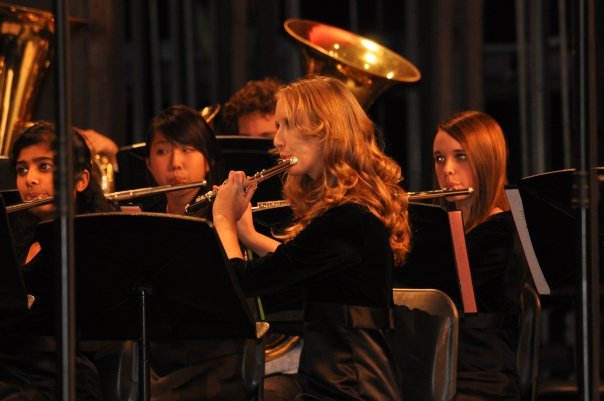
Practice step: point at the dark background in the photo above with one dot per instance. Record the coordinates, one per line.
(513, 59)
(516, 60)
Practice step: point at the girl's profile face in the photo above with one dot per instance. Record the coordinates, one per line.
(451, 165)
(290, 143)
(34, 168)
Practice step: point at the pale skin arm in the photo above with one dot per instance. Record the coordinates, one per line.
(252, 239)
(230, 205)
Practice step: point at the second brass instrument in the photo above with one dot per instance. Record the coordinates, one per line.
(260, 176)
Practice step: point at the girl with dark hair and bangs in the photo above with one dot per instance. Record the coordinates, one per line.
(350, 229)
(32, 156)
(470, 151)
(182, 148)
(28, 354)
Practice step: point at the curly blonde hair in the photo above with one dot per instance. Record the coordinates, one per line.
(356, 170)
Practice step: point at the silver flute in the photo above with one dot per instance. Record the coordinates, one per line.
(260, 176)
(113, 196)
(413, 196)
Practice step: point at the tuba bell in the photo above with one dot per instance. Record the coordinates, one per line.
(25, 51)
(366, 67)
(209, 113)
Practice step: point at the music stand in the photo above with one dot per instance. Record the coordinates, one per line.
(7, 174)
(252, 154)
(431, 262)
(13, 296)
(133, 173)
(150, 276)
(552, 225)
(11, 196)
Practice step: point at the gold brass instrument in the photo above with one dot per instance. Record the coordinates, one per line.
(107, 172)
(209, 113)
(260, 176)
(114, 196)
(25, 38)
(366, 67)
(413, 196)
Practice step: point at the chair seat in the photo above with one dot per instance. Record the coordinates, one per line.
(561, 390)
(424, 342)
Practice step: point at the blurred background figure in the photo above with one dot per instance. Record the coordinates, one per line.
(251, 110)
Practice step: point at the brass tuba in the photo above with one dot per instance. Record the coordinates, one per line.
(366, 67)
(25, 51)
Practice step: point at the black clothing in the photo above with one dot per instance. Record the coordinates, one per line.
(28, 357)
(344, 262)
(158, 204)
(281, 387)
(488, 341)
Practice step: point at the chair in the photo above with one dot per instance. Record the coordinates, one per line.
(529, 343)
(117, 365)
(424, 342)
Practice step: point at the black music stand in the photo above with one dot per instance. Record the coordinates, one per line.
(133, 172)
(7, 174)
(552, 225)
(11, 196)
(431, 262)
(150, 276)
(13, 296)
(252, 154)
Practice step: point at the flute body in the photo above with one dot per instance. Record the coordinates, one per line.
(413, 196)
(260, 176)
(114, 196)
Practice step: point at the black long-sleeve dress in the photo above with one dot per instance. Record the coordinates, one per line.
(488, 341)
(344, 262)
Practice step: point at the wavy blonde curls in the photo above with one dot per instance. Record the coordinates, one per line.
(355, 168)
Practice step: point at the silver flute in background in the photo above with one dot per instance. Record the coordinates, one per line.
(114, 196)
(260, 176)
(413, 196)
